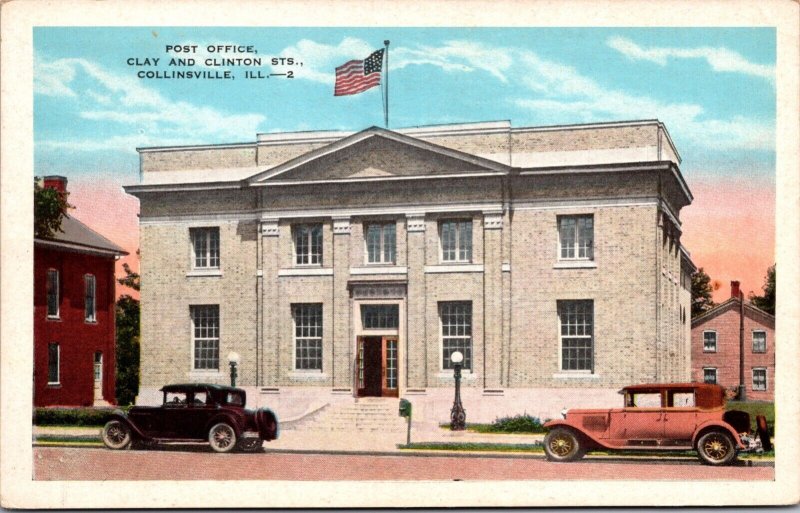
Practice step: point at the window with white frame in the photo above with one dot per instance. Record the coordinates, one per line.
(710, 375)
(456, 322)
(205, 243)
(759, 378)
(53, 301)
(89, 300)
(380, 239)
(759, 341)
(456, 241)
(576, 237)
(308, 244)
(205, 336)
(307, 336)
(709, 341)
(53, 364)
(577, 335)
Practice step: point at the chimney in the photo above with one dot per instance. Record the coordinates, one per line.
(735, 289)
(56, 182)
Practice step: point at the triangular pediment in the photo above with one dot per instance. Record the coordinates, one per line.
(377, 154)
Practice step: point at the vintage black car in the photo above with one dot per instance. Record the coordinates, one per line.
(194, 412)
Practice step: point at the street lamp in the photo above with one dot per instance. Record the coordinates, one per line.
(458, 417)
(233, 360)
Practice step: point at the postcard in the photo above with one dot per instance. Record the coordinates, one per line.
(399, 254)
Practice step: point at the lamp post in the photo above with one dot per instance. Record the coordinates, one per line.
(458, 417)
(233, 360)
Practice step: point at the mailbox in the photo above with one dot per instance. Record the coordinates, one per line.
(405, 408)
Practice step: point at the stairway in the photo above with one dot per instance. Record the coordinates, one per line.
(367, 415)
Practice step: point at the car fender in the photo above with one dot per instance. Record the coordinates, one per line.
(566, 424)
(228, 419)
(123, 417)
(716, 424)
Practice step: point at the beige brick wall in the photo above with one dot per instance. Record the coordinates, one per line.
(210, 158)
(594, 138)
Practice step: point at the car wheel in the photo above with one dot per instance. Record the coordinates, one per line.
(222, 437)
(763, 432)
(563, 445)
(716, 448)
(116, 435)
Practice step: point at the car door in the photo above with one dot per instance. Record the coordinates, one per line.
(640, 421)
(680, 418)
(199, 413)
(174, 414)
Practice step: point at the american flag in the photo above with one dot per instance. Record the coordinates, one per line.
(354, 77)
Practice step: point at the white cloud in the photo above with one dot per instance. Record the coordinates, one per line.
(52, 78)
(137, 109)
(720, 59)
(455, 56)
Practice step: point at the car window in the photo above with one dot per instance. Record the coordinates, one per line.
(175, 399)
(645, 400)
(682, 399)
(200, 399)
(235, 399)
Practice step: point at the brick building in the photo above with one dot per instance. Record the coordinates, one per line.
(715, 347)
(350, 264)
(73, 328)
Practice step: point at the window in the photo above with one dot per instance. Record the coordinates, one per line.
(759, 378)
(175, 398)
(52, 293)
(308, 244)
(456, 318)
(709, 341)
(379, 316)
(644, 400)
(759, 341)
(205, 336)
(53, 364)
(576, 237)
(307, 336)
(89, 306)
(205, 242)
(381, 243)
(456, 240)
(577, 348)
(710, 375)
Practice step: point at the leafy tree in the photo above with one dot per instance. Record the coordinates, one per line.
(128, 340)
(767, 301)
(701, 292)
(49, 208)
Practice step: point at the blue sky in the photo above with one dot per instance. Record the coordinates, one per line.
(714, 88)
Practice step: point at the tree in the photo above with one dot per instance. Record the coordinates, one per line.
(49, 208)
(701, 292)
(128, 340)
(767, 301)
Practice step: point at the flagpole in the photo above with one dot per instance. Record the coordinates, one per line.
(386, 104)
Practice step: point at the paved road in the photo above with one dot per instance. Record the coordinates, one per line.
(60, 463)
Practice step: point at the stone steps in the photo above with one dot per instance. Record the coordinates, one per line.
(362, 416)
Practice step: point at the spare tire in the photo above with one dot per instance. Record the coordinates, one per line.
(267, 424)
(763, 432)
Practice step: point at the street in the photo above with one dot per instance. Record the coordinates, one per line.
(187, 463)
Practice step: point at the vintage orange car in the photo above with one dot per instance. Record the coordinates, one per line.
(659, 417)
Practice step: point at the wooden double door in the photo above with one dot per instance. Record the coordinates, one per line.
(376, 365)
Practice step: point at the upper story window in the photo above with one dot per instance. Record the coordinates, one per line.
(381, 243)
(709, 341)
(577, 335)
(89, 301)
(205, 242)
(53, 301)
(759, 341)
(205, 336)
(308, 244)
(456, 319)
(456, 241)
(576, 237)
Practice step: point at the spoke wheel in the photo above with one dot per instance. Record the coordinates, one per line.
(716, 448)
(562, 445)
(116, 435)
(222, 437)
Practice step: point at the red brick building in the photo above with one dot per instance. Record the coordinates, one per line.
(73, 329)
(715, 347)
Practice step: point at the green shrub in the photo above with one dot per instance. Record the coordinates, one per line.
(71, 416)
(518, 424)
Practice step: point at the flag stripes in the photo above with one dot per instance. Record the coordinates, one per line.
(357, 76)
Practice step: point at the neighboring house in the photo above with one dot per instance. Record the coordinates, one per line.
(353, 264)
(715, 347)
(74, 301)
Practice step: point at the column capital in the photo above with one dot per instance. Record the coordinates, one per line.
(493, 220)
(341, 225)
(269, 227)
(415, 222)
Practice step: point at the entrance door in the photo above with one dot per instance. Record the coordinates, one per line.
(98, 376)
(377, 367)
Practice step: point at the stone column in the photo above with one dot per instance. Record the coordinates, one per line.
(270, 262)
(416, 347)
(493, 298)
(342, 347)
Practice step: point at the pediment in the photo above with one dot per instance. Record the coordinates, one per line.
(375, 154)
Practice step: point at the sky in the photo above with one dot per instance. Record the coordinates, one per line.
(714, 88)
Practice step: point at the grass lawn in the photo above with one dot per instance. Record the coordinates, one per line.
(755, 408)
(491, 429)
